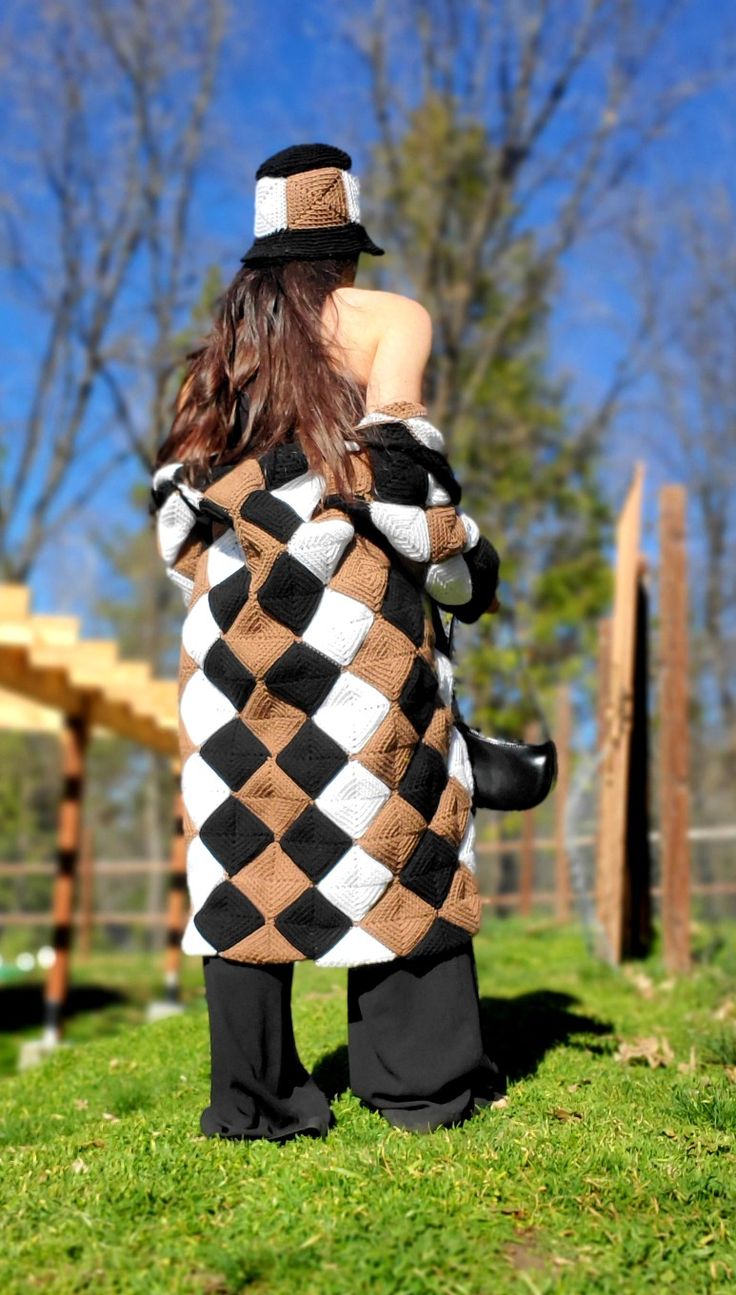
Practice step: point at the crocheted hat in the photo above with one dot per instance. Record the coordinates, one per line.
(306, 207)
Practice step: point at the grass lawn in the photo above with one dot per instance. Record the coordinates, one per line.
(600, 1174)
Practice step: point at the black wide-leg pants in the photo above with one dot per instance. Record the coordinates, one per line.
(415, 1048)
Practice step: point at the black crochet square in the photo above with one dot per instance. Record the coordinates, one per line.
(312, 924)
(271, 514)
(397, 477)
(234, 753)
(235, 835)
(311, 758)
(442, 937)
(228, 674)
(419, 694)
(229, 596)
(290, 593)
(483, 563)
(315, 843)
(429, 870)
(302, 676)
(227, 916)
(282, 463)
(403, 607)
(424, 780)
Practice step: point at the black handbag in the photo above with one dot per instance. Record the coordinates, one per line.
(506, 775)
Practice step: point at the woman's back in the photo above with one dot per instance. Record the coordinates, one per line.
(382, 338)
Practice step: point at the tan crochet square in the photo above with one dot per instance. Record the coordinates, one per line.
(316, 198)
(271, 794)
(388, 752)
(402, 409)
(385, 658)
(363, 573)
(264, 945)
(400, 918)
(462, 904)
(271, 881)
(447, 534)
(231, 489)
(394, 833)
(437, 733)
(256, 638)
(451, 815)
(261, 550)
(272, 720)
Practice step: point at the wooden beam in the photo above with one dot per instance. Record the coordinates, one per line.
(614, 781)
(73, 747)
(563, 729)
(673, 729)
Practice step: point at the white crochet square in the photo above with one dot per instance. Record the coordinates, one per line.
(194, 943)
(302, 493)
(202, 790)
(199, 630)
(174, 521)
(426, 433)
(320, 545)
(225, 556)
(449, 581)
(203, 872)
(352, 193)
(353, 798)
(436, 494)
(471, 529)
(204, 708)
(466, 851)
(351, 712)
(355, 883)
(445, 676)
(338, 626)
(270, 205)
(458, 761)
(354, 949)
(405, 525)
(186, 585)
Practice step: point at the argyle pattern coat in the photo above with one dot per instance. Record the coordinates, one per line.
(327, 793)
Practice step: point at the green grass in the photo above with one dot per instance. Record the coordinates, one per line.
(597, 1176)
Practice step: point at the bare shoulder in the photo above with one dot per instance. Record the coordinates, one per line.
(391, 309)
(402, 331)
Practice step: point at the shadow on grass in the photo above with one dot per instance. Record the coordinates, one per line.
(21, 1006)
(517, 1034)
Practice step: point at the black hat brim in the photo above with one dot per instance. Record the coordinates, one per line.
(311, 244)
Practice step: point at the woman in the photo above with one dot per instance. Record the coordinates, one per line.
(306, 509)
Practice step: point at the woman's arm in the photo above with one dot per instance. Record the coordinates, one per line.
(416, 496)
(183, 530)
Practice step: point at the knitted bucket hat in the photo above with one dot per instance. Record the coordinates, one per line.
(306, 207)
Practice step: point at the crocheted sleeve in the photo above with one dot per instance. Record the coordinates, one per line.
(415, 504)
(183, 529)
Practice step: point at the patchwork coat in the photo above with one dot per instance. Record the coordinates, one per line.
(327, 793)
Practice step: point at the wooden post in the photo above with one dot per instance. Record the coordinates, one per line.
(636, 926)
(673, 729)
(614, 779)
(177, 898)
(526, 859)
(86, 895)
(74, 738)
(562, 740)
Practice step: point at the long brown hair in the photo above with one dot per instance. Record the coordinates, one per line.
(263, 374)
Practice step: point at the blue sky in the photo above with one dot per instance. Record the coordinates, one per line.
(285, 77)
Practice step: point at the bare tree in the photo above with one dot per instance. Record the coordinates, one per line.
(563, 99)
(109, 104)
(686, 278)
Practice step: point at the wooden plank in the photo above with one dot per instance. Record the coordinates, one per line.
(614, 780)
(69, 840)
(673, 729)
(563, 728)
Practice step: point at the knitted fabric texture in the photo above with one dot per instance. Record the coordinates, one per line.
(307, 206)
(327, 792)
